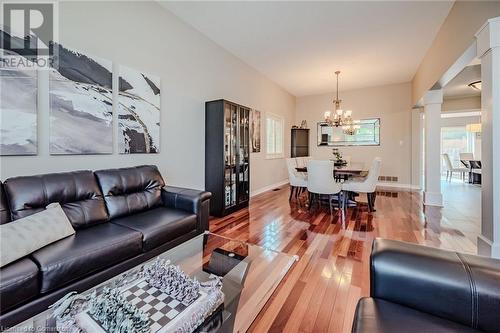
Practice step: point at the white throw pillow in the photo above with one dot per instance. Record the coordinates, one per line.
(28, 234)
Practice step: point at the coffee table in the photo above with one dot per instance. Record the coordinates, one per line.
(250, 274)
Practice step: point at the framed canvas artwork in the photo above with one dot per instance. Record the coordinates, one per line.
(81, 104)
(138, 112)
(255, 130)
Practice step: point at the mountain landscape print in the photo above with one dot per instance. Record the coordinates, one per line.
(81, 104)
(138, 112)
(18, 108)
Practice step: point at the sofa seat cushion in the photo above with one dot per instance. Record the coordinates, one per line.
(88, 251)
(18, 283)
(375, 315)
(159, 225)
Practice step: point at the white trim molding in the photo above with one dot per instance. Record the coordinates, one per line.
(433, 97)
(268, 188)
(488, 36)
(398, 186)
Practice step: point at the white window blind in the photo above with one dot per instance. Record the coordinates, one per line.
(274, 136)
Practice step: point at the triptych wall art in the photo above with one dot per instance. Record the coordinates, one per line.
(138, 112)
(81, 104)
(18, 109)
(81, 107)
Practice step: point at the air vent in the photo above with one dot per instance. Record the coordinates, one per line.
(388, 178)
(387, 194)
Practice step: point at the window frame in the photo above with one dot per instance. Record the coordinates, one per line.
(275, 119)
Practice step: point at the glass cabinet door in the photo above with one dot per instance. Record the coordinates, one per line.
(230, 153)
(244, 155)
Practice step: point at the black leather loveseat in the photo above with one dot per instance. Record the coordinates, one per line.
(121, 216)
(421, 289)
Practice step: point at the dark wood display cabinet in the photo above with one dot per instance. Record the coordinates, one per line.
(300, 142)
(227, 156)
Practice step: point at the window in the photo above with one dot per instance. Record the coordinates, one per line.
(456, 140)
(274, 136)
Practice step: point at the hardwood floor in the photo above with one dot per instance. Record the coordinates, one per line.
(320, 292)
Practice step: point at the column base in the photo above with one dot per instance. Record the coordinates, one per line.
(487, 248)
(433, 199)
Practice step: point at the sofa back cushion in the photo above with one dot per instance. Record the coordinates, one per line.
(130, 190)
(4, 207)
(77, 192)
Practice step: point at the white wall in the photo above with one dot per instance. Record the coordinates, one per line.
(391, 103)
(193, 69)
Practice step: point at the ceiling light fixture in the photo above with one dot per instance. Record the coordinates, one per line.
(341, 117)
(473, 128)
(475, 85)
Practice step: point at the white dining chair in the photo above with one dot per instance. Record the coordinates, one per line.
(302, 161)
(450, 169)
(368, 185)
(320, 181)
(298, 180)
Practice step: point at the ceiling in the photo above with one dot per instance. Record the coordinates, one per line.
(299, 45)
(459, 85)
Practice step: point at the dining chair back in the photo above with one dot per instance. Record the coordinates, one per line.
(320, 181)
(450, 169)
(368, 185)
(298, 180)
(320, 178)
(302, 161)
(447, 162)
(373, 174)
(295, 178)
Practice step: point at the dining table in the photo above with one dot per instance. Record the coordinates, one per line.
(474, 167)
(351, 169)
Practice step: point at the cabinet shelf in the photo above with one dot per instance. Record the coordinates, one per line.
(227, 156)
(300, 142)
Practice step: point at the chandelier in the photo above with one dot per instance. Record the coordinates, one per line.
(340, 117)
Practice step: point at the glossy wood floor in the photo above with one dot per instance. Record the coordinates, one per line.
(320, 292)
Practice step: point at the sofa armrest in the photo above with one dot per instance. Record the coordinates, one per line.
(459, 287)
(189, 200)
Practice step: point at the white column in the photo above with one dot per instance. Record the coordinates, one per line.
(433, 99)
(416, 148)
(488, 50)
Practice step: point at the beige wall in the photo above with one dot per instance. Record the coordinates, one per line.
(193, 70)
(454, 37)
(462, 104)
(391, 103)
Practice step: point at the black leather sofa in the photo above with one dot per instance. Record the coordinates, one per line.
(421, 289)
(122, 217)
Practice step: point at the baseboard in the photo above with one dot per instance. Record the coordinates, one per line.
(268, 188)
(398, 186)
